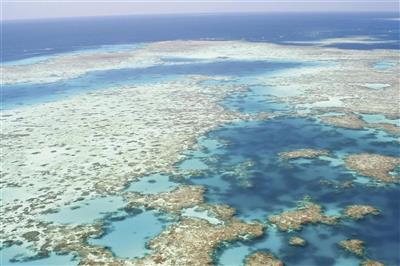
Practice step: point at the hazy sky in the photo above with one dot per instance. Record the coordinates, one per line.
(33, 9)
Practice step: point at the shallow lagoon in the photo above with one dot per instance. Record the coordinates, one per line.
(29, 93)
(384, 65)
(86, 212)
(127, 237)
(152, 184)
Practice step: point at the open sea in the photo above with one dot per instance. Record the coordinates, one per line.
(24, 39)
(268, 185)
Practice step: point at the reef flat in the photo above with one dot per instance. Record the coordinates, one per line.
(353, 121)
(93, 145)
(88, 146)
(334, 77)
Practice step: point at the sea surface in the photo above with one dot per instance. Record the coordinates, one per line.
(238, 162)
(25, 39)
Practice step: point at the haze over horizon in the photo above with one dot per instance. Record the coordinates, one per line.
(32, 9)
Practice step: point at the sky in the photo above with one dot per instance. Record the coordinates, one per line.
(41, 9)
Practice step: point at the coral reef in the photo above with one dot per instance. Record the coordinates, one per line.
(297, 241)
(193, 241)
(94, 144)
(346, 121)
(308, 213)
(359, 211)
(355, 246)
(171, 201)
(375, 166)
(262, 259)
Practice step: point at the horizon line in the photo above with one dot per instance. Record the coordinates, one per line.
(203, 14)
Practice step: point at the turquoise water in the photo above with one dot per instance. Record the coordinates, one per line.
(127, 238)
(376, 118)
(18, 255)
(385, 65)
(86, 212)
(152, 184)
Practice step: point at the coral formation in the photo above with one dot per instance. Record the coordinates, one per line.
(355, 246)
(375, 166)
(295, 219)
(171, 201)
(359, 211)
(260, 258)
(193, 241)
(297, 241)
(372, 263)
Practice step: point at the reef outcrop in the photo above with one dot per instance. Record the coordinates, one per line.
(260, 258)
(375, 166)
(306, 214)
(359, 211)
(193, 241)
(297, 241)
(354, 246)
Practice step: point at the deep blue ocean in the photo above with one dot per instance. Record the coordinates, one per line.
(23, 39)
(269, 184)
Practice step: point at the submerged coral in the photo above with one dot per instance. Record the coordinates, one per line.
(346, 121)
(303, 153)
(352, 121)
(390, 128)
